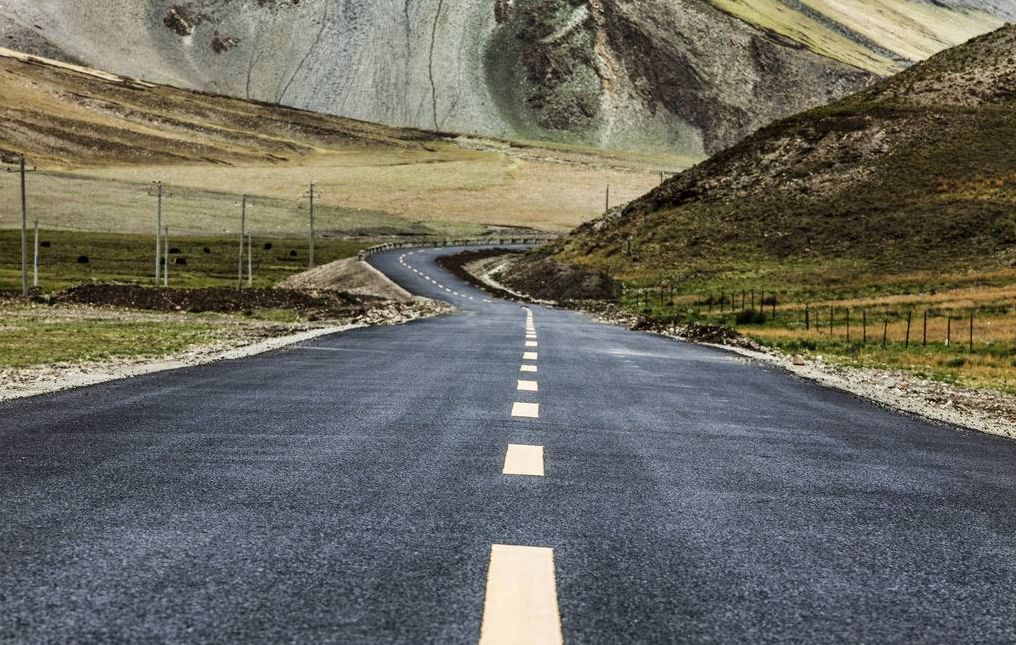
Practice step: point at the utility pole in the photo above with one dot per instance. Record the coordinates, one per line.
(24, 230)
(158, 233)
(607, 209)
(165, 271)
(24, 222)
(250, 261)
(243, 233)
(35, 262)
(310, 254)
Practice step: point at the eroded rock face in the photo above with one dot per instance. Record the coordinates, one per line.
(680, 75)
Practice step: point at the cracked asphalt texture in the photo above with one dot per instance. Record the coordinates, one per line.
(349, 490)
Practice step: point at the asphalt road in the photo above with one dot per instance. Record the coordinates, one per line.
(351, 489)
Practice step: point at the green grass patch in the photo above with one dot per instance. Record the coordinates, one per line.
(197, 262)
(38, 340)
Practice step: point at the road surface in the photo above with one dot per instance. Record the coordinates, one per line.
(418, 484)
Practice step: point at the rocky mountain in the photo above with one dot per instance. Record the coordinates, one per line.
(692, 76)
(914, 176)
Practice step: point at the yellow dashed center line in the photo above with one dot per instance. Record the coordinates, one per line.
(526, 410)
(520, 607)
(523, 460)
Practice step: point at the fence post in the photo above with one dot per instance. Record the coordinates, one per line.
(848, 324)
(910, 315)
(948, 330)
(971, 331)
(832, 314)
(885, 331)
(864, 326)
(924, 341)
(807, 317)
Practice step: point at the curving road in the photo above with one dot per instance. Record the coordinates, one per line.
(415, 485)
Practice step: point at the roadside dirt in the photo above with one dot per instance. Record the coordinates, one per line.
(349, 275)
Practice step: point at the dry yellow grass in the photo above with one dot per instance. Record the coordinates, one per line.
(911, 29)
(103, 139)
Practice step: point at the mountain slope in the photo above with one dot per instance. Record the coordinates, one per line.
(99, 139)
(693, 76)
(917, 173)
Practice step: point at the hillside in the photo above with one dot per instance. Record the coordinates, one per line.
(686, 76)
(910, 181)
(99, 140)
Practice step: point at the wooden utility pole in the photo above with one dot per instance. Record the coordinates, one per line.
(243, 235)
(310, 252)
(165, 257)
(971, 331)
(23, 171)
(35, 259)
(158, 234)
(250, 260)
(24, 229)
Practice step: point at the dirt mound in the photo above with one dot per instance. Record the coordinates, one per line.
(547, 279)
(219, 300)
(349, 275)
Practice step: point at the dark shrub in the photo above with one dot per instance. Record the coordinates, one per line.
(749, 317)
(82, 259)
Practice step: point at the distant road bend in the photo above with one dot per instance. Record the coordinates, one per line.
(501, 475)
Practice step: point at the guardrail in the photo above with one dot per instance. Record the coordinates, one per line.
(478, 241)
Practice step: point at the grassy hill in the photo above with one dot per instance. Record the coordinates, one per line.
(879, 231)
(908, 181)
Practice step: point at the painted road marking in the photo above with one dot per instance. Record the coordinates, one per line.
(528, 386)
(527, 368)
(523, 460)
(531, 343)
(526, 410)
(521, 602)
(530, 356)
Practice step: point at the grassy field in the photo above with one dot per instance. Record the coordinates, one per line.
(41, 339)
(211, 261)
(880, 331)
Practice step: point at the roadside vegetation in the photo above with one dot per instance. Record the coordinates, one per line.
(70, 258)
(36, 335)
(962, 335)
